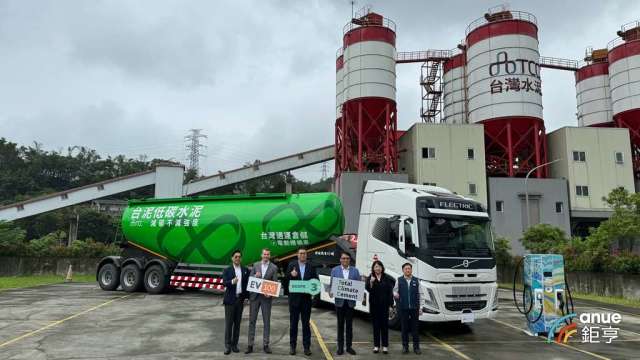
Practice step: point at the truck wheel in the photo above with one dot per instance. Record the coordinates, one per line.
(155, 280)
(109, 277)
(131, 278)
(394, 316)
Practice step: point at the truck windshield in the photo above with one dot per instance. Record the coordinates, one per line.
(464, 236)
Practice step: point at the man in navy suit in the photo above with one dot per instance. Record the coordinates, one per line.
(300, 304)
(408, 294)
(235, 279)
(344, 308)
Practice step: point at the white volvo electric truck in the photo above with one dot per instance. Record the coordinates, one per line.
(446, 237)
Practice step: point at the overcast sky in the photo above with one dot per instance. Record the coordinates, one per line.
(131, 77)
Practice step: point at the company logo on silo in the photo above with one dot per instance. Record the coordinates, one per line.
(504, 66)
(519, 71)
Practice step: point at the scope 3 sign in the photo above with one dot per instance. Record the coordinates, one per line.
(264, 287)
(311, 287)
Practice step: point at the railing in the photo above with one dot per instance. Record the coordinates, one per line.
(339, 52)
(422, 56)
(515, 15)
(388, 23)
(558, 63)
(615, 42)
(630, 25)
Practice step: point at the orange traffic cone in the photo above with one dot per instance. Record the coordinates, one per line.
(69, 274)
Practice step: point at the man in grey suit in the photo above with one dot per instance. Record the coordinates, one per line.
(267, 270)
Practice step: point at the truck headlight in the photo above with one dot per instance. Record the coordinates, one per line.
(430, 299)
(495, 300)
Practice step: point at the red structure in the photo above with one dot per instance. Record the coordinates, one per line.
(365, 130)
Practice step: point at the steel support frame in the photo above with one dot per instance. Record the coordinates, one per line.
(366, 136)
(632, 123)
(513, 146)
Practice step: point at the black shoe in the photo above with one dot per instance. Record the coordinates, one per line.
(266, 350)
(249, 350)
(405, 349)
(351, 351)
(417, 351)
(235, 349)
(340, 351)
(227, 351)
(307, 352)
(292, 351)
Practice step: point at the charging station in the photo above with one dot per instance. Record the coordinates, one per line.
(546, 296)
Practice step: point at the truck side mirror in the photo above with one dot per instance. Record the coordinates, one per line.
(401, 238)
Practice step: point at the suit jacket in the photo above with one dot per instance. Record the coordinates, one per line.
(230, 289)
(271, 274)
(336, 272)
(296, 299)
(380, 293)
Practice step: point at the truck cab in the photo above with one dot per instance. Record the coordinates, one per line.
(447, 239)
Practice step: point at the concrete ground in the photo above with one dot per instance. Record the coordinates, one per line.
(80, 321)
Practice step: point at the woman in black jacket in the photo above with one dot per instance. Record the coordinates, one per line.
(380, 288)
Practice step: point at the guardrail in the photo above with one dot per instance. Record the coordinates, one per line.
(422, 56)
(515, 15)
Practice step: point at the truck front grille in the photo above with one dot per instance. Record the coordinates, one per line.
(462, 305)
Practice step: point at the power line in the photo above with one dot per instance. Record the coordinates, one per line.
(194, 147)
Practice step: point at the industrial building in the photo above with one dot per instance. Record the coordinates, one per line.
(482, 133)
(450, 156)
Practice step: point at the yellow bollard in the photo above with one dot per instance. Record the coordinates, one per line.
(69, 274)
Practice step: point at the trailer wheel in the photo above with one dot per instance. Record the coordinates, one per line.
(131, 278)
(394, 316)
(155, 280)
(109, 277)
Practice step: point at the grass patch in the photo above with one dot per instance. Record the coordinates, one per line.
(17, 282)
(613, 300)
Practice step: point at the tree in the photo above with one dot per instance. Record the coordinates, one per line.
(12, 239)
(544, 239)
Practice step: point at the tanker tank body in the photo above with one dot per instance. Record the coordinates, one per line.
(624, 78)
(593, 95)
(505, 91)
(169, 240)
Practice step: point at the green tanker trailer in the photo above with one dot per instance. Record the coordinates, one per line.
(187, 242)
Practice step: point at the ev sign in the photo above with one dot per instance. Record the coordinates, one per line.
(264, 287)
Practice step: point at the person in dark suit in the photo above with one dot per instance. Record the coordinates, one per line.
(235, 279)
(300, 304)
(344, 308)
(409, 293)
(267, 270)
(380, 287)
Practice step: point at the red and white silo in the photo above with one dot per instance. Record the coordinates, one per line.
(453, 99)
(366, 132)
(505, 91)
(592, 90)
(624, 79)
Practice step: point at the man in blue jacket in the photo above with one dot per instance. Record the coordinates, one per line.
(344, 308)
(408, 294)
(235, 279)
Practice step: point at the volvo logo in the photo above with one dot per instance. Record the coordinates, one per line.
(465, 263)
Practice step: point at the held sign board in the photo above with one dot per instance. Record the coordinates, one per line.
(347, 289)
(311, 287)
(264, 287)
